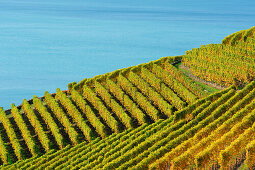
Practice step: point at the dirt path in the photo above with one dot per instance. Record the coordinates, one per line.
(212, 84)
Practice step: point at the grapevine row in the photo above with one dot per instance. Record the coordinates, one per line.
(59, 113)
(43, 137)
(129, 104)
(250, 154)
(5, 155)
(190, 84)
(220, 127)
(204, 157)
(150, 93)
(104, 112)
(116, 108)
(203, 138)
(235, 148)
(86, 109)
(185, 132)
(166, 92)
(75, 114)
(19, 152)
(226, 63)
(174, 84)
(24, 131)
(143, 102)
(49, 121)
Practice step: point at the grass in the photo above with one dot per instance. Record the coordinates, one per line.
(206, 87)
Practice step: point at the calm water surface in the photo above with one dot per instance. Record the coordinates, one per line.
(45, 44)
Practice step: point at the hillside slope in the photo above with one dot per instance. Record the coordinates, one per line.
(96, 107)
(150, 116)
(219, 128)
(232, 62)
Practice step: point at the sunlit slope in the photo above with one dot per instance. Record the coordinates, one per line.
(150, 116)
(214, 132)
(240, 36)
(232, 62)
(96, 107)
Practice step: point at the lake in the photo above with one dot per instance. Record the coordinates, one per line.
(45, 44)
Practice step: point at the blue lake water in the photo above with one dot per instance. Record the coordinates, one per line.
(45, 44)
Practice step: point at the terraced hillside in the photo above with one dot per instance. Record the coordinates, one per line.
(150, 116)
(217, 131)
(96, 107)
(231, 62)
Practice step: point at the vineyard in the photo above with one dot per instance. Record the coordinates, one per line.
(150, 116)
(231, 62)
(96, 107)
(215, 131)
